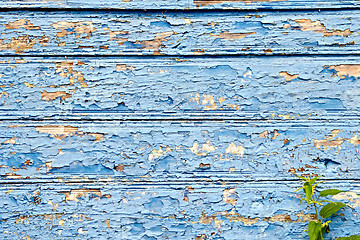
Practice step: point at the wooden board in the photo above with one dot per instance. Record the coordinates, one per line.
(176, 119)
(283, 88)
(261, 210)
(178, 150)
(180, 4)
(179, 33)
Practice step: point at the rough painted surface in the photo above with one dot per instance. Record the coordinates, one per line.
(172, 210)
(284, 88)
(178, 33)
(181, 4)
(151, 150)
(130, 125)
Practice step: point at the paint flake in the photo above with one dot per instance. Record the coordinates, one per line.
(231, 36)
(345, 70)
(68, 28)
(157, 153)
(318, 27)
(21, 23)
(75, 194)
(288, 77)
(51, 96)
(234, 149)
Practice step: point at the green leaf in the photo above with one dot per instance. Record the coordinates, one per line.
(308, 191)
(353, 237)
(331, 208)
(313, 180)
(314, 230)
(328, 192)
(301, 177)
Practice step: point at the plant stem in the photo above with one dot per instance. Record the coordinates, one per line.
(317, 215)
(313, 199)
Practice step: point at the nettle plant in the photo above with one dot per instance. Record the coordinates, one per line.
(318, 227)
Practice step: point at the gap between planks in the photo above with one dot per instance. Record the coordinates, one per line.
(193, 56)
(189, 119)
(197, 10)
(165, 181)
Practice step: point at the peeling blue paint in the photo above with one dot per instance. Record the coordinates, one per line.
(210, 33)
(137, 211)
(185, 124)
(165, 150)
(184, 4)
(193, 88)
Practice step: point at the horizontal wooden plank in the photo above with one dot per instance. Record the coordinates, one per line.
(181, 4)
(179, 33)
(178, 150)
(166, 211)
(298, 88)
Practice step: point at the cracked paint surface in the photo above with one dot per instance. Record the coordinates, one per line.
(182, 124)
(21, 23)
(229, 150)
(183, 4)
(78, 28)
(318, 27)
(138, 211)
(296, 88)
(168, 33)
(211, 2)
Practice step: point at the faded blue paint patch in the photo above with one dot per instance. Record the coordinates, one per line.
(76, 167)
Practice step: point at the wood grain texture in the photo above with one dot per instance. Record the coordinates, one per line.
(178, 150)
(277, 88)
(179, 33)
(181, 4)
(165, 211)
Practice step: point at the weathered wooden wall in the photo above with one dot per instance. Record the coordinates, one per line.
(175, 119)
